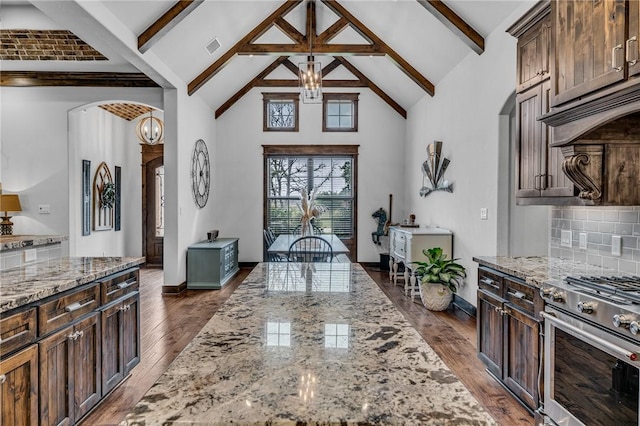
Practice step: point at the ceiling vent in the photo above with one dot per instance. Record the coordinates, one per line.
(213, 45)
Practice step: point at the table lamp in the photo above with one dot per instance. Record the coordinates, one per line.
(8, 203)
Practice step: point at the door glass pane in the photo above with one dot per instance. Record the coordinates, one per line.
(159, 202)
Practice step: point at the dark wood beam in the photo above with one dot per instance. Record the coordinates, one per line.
(371, 85)
(365, 32)
(80, 79)
(455, 23)
(291, 31)
(333, 30)
(325, 83)
(256, 32)
(311, 23)
(250, 85)
(301, 49)
(325, 71)
(167, 21)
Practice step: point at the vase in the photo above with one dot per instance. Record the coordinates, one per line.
(435, 297)
(305, 227)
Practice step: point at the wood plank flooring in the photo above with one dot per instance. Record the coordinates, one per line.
(170, 323)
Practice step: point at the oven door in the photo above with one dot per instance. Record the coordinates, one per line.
(589, 376)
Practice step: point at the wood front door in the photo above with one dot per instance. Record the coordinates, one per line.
(153, 203)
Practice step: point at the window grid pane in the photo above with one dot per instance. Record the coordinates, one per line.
(340, 114)
(281, 114)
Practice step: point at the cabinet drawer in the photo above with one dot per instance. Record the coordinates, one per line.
(489, 281)
(17, 330)
(115, 286)
(520, 294)
(60, 311)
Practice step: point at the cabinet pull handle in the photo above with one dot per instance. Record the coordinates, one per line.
(487, 281)
(127, 283)
(614, 58)
(73, 336)
(125, 308)
(3, 378)
(519, 294)
(76, 305)
(630, 61)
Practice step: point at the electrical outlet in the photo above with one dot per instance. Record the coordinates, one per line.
(483, 213)
(583, 241)
(565, 238)
(44, 209)
(30, 255)
(616, 245)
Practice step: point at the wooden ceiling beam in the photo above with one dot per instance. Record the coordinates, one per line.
(371, 85)
(365, 32)
(166, 23)
(325, 83)
(301, 49)
(256, 32)
(455, 24)
(250, 85)
(291, 31)
(333, 30)
(79, 79)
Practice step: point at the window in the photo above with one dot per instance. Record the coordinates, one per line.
(330, 169)
(280, 112)
(340, 112)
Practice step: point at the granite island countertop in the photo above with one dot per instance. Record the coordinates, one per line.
(31, 282)
(308, 344)
(536, 270)
(14, 242)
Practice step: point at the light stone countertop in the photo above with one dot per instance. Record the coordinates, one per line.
(14, 242)
(308, 344)
(31, 282)
(536, 270)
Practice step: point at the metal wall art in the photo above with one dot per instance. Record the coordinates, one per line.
(86, 197)
(433, 169)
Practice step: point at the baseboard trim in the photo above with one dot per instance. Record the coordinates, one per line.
(464, 305)
(247, 264)
(174, 290)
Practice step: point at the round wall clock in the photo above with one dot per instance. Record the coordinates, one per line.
(200, 173)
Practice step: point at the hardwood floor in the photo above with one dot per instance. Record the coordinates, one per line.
(170, 323)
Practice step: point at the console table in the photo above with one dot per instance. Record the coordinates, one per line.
(406, 245)
(210, 264)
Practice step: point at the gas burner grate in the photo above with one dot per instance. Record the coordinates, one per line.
(626, 286)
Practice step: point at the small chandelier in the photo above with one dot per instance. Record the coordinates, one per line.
(150, 130)
(310, 80)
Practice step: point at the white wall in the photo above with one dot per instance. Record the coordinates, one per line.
(465, 115)
(238, 174)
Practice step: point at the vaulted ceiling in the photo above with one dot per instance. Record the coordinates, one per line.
(398, 49)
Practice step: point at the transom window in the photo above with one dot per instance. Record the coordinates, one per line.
(280, 112)
(340, 112)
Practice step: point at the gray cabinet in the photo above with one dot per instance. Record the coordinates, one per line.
(210, 264)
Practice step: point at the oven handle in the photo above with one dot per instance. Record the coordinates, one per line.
(632, 356)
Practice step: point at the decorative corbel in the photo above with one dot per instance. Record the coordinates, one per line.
(583, 166)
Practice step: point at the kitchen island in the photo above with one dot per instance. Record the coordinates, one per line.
(308, 343)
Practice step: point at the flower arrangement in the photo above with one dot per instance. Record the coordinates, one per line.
(309, 210)
(108, 195)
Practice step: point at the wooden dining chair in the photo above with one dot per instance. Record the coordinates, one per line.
(310, 249)
(269, 238)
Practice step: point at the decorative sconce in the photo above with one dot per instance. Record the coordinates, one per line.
(8, 203)
(310, 80)
(433, 169)
(150, 130)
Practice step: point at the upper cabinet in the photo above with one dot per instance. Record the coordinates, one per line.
(591, 46)
(533, 54)
(633, 41)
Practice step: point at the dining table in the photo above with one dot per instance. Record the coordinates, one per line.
(283, 242)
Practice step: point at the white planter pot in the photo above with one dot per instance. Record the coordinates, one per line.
(435, 297)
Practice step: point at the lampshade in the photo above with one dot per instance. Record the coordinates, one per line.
(150, 130)
(310, 81)
(10, 203)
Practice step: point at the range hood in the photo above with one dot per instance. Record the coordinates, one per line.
(600, 140)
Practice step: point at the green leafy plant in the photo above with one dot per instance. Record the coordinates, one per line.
(108, 195)
(440, 270)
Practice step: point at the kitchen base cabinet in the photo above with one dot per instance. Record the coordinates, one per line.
(19, 388)
(70, 382)
(509, 333)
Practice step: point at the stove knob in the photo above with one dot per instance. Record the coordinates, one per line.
(557, 297)
(621, 321)
(586, 307)
(634, 327)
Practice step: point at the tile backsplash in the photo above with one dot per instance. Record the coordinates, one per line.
(599, 224)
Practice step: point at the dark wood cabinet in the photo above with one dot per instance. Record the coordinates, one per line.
(120, 340)
(633, 39)
(509, 333)
(589, 48)
(19, 388)
(70, 382)
(533, 54)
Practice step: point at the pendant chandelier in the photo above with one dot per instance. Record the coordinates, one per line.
(310, 79)
(150, 130)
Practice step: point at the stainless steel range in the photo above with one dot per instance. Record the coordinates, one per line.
(592, 351)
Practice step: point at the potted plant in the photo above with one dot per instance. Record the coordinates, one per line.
(439, 279)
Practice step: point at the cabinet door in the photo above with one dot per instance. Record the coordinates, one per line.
(533, 55)
(131, 332)
(633, 40)
(86, 365)
(589, 46)
(56, 372)
(529, 150)
(112, 363)
(490, 326)
(522, 351)
(19, 388)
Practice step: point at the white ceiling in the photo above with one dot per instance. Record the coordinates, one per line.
(404, 25)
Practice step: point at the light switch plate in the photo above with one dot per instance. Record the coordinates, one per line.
(616, 245)
(565, 238)
(583, 240)
(44, 209)
(483, 213)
